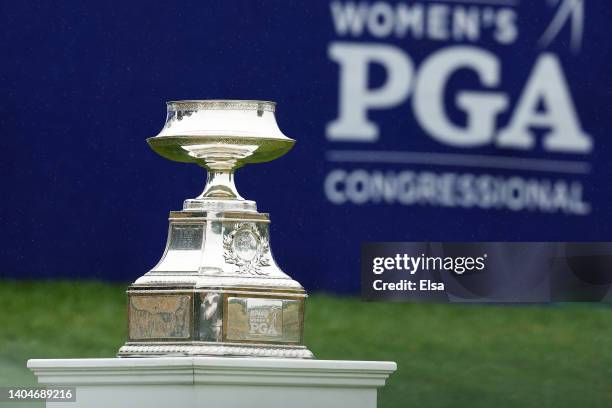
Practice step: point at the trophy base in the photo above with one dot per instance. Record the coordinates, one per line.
(217, 291)
(203, 320)
(132, 349)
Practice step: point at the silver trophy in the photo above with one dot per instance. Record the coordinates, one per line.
(217, 289)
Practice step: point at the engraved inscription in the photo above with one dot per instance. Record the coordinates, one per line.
(186, 237)
(159, 317)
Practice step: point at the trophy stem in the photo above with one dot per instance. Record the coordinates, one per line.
(220, 186)
(220, 194)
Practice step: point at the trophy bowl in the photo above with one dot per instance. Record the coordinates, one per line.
(221, 135)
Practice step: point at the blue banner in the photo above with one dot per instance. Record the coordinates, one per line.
(479, 120)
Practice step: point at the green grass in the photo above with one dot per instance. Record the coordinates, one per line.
(448, 355)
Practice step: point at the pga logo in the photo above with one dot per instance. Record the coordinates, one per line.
(546, 86)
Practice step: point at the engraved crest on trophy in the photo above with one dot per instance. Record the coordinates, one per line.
(247, 249)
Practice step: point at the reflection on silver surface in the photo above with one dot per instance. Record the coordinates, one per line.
(211, 316)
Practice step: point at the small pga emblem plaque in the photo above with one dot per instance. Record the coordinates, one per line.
(265, 318)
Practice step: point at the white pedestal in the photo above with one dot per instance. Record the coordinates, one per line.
(215, 382)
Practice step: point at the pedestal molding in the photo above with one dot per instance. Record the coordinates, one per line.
(213, 371)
